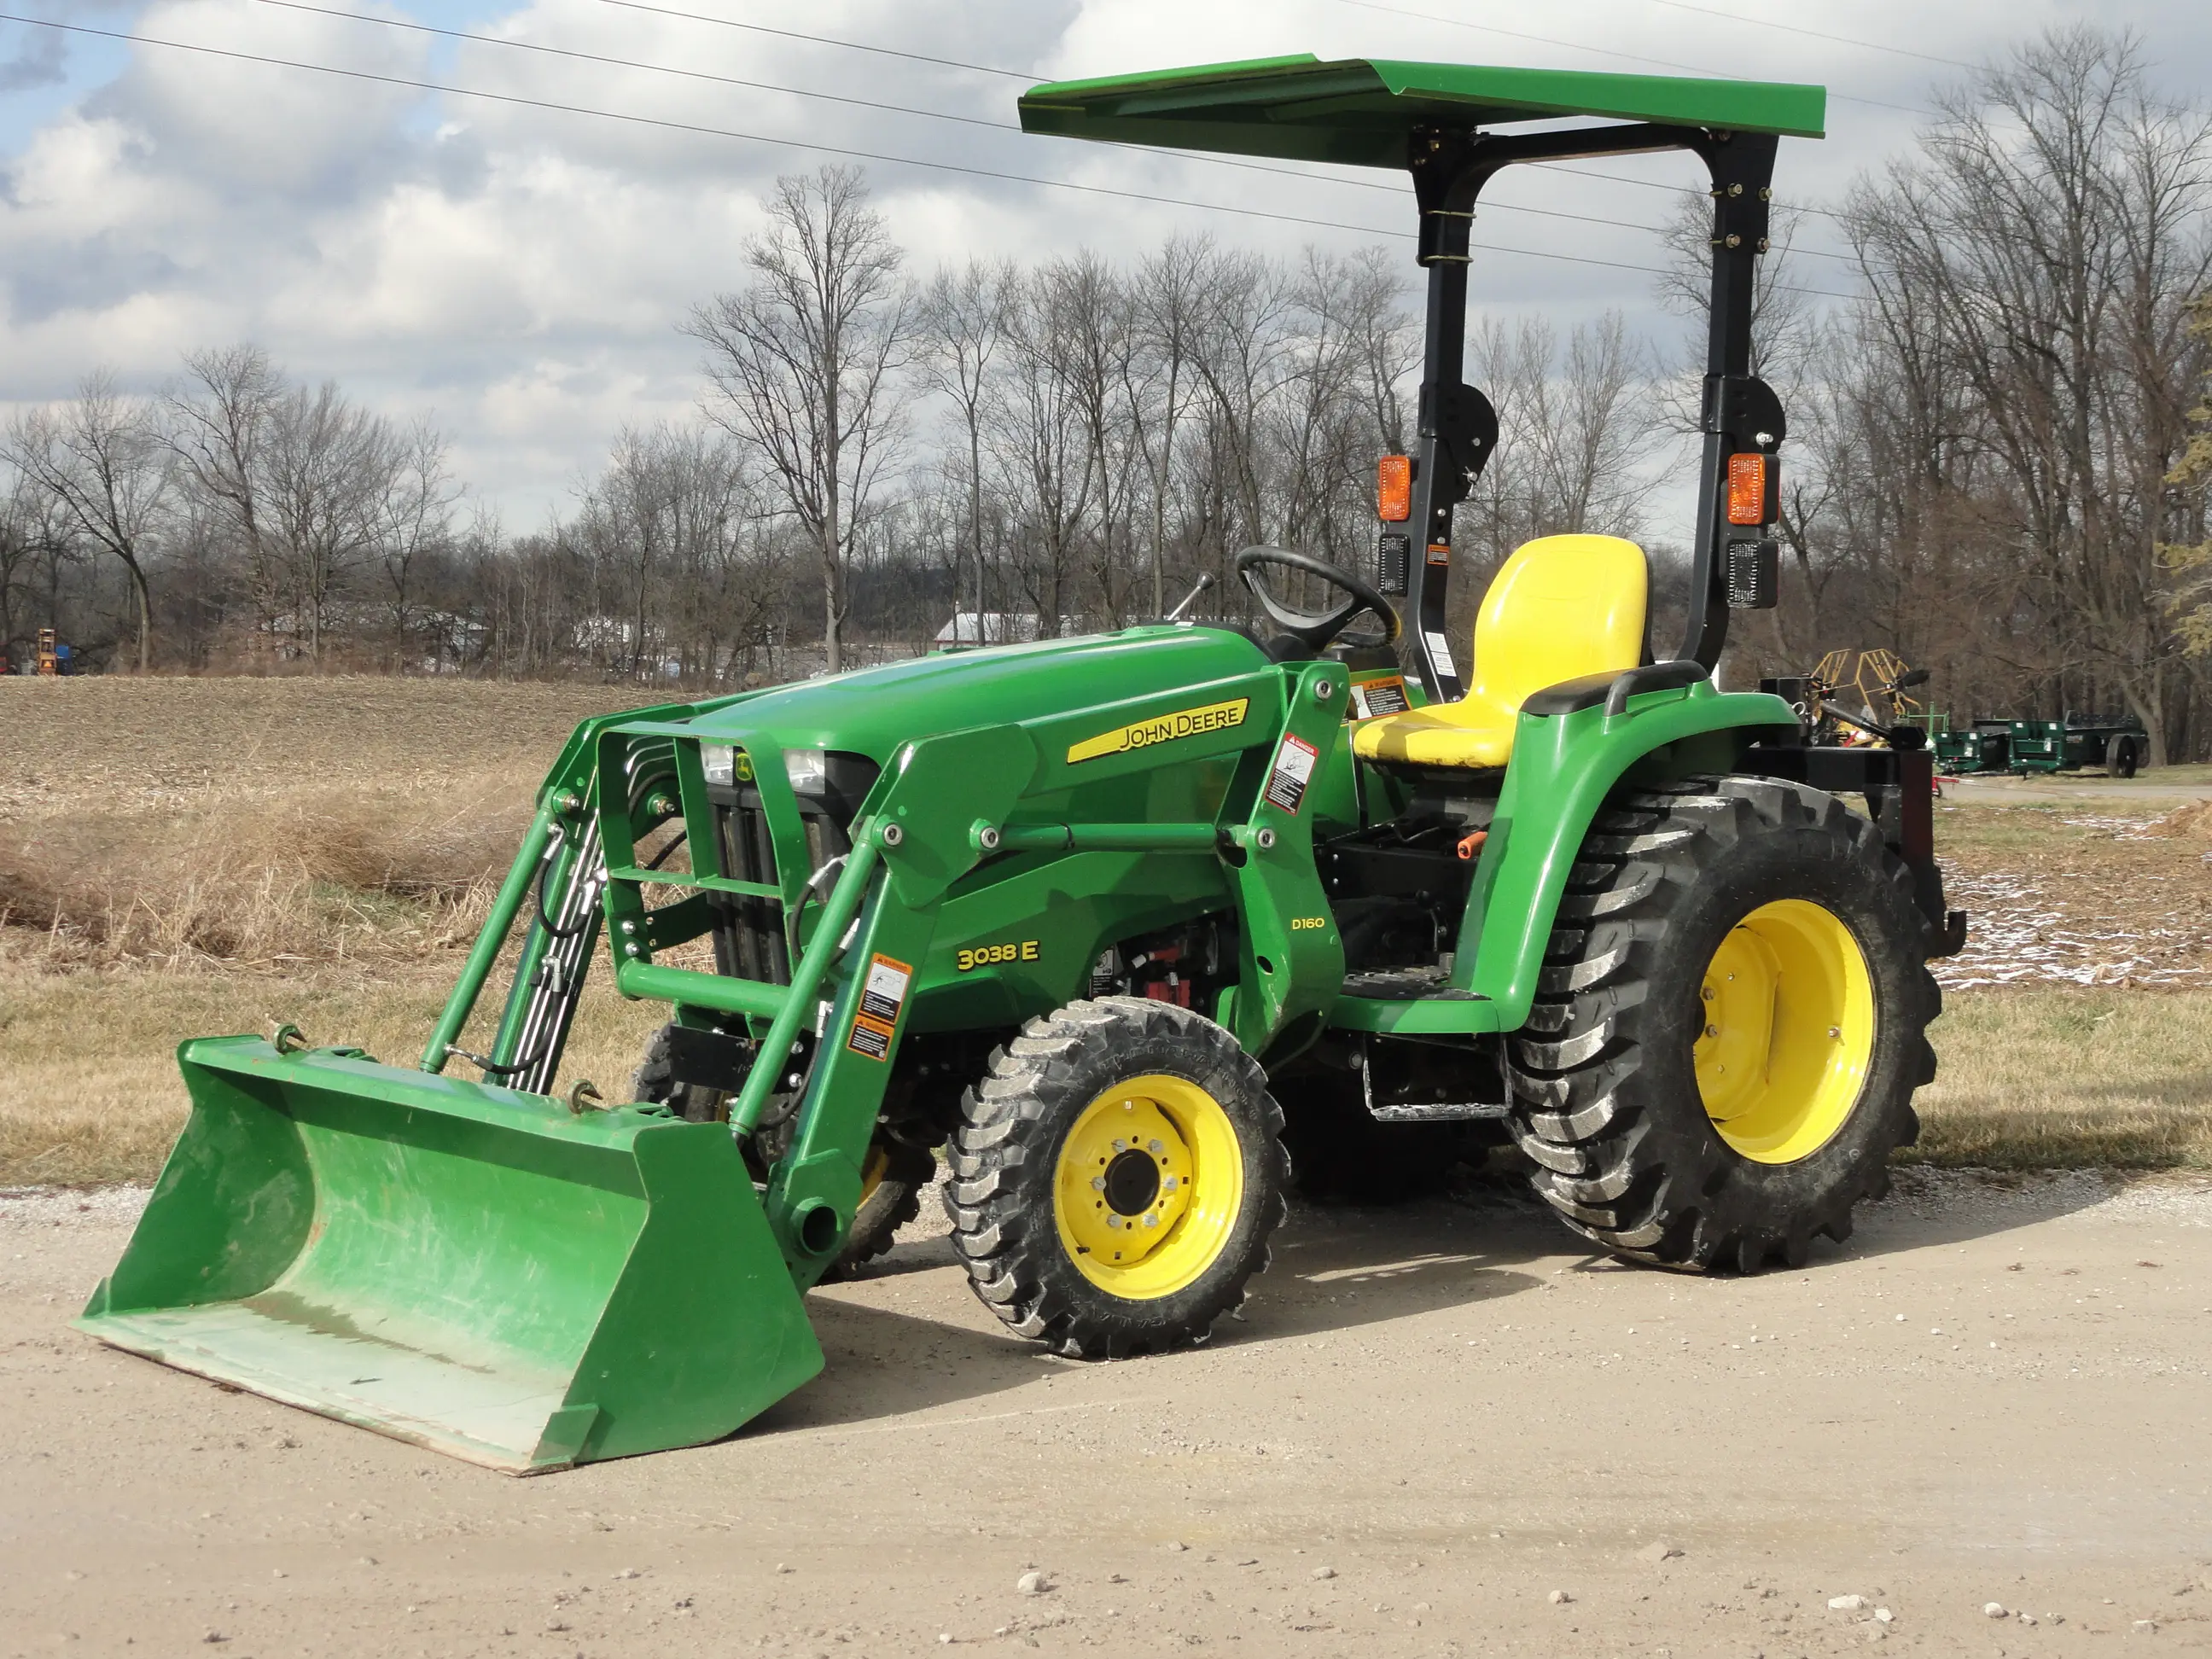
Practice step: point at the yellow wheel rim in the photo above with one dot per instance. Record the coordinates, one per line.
(872, 1170)
(1148, 1186)
(1788, 1031)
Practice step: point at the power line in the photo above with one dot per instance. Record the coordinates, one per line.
(665, 124)
(1392, 189)
(820, 40)
(1603, 52)
(630, 63)
(1838, 40)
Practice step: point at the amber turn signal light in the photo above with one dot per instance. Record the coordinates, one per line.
(1393, 489)
(1746, 490)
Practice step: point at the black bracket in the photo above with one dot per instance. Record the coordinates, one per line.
(1744, 409)
(1466, 426)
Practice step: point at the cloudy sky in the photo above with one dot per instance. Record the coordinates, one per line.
(517, 270)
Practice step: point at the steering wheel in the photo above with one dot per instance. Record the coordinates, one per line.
(1304, 633)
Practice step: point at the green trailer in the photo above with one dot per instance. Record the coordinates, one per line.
(1983, 746)
(2115, 743)
(1087, 918)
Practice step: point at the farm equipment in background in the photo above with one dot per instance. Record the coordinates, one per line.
(54, 657)
(1983, 746)
(1093, 914)
(1878, 679)
(2117, 743)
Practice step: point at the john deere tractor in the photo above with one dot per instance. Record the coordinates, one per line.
(1084, 917)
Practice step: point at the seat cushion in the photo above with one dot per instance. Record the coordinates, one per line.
(1562, 608)
(1433, 737)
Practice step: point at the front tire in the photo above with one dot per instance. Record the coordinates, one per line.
(1730, 1025)
(1115, 1177)
(2120, 758)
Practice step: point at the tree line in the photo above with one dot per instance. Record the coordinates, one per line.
(1998, 464)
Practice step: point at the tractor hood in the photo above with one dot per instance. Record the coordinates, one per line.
(872, 711)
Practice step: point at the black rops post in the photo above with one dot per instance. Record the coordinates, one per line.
(1732, 565)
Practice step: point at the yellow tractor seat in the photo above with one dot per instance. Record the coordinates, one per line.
(1561, 607)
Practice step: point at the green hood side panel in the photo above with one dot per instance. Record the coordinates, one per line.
(872, 711)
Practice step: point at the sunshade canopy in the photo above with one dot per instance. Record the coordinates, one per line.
(1360, 110)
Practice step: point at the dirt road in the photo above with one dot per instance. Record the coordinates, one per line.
(1429, 1421)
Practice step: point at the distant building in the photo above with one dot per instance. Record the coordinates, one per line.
(969, 629)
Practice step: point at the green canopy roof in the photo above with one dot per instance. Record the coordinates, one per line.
(1358, 109)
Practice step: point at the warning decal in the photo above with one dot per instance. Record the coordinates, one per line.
(885, 994)
(870, 1037)
(1294, 769)
(1383, 696)
(882, 994)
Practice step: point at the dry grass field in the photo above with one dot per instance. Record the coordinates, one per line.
(187, 856)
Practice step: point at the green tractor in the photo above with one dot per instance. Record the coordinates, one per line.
(1089, 914)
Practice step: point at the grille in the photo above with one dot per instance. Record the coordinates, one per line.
(749, 936)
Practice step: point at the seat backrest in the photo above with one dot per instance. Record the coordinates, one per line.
(1561, 607)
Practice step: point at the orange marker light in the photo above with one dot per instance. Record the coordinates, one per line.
(1393, 489)
(1746, 490)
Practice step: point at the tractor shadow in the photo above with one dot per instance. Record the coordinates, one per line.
(1336, 1267)
(882, 1365)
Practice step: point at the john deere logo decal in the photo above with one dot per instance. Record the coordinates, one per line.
(1165, 728)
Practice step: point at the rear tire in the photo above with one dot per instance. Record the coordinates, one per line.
(1732, 920)
(1115, 1177)
(2120, 758)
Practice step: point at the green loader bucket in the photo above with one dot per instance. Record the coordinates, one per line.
(469, 1268)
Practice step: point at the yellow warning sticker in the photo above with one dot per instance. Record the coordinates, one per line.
(1164, 728)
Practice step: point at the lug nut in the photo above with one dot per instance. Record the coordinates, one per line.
(1712, 1030)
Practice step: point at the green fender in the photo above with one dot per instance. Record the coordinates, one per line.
(1563, 767)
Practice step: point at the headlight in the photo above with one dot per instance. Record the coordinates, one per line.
(718, 761)
(809, 770)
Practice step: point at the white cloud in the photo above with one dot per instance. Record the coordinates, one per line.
(521, 270)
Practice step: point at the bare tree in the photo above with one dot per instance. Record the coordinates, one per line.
(1574, 433)
(1046, 469)
(2190, 557)
(2049, 237)
(330, 465)
(804, 362)
(962, 326)
(1168, 292)
(218, 426)
(102, 459)
(414, 517)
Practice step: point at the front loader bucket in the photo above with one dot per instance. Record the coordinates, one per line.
(470, 1268)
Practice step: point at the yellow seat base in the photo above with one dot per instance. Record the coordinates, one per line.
(1560, 608)
(1436, 736)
